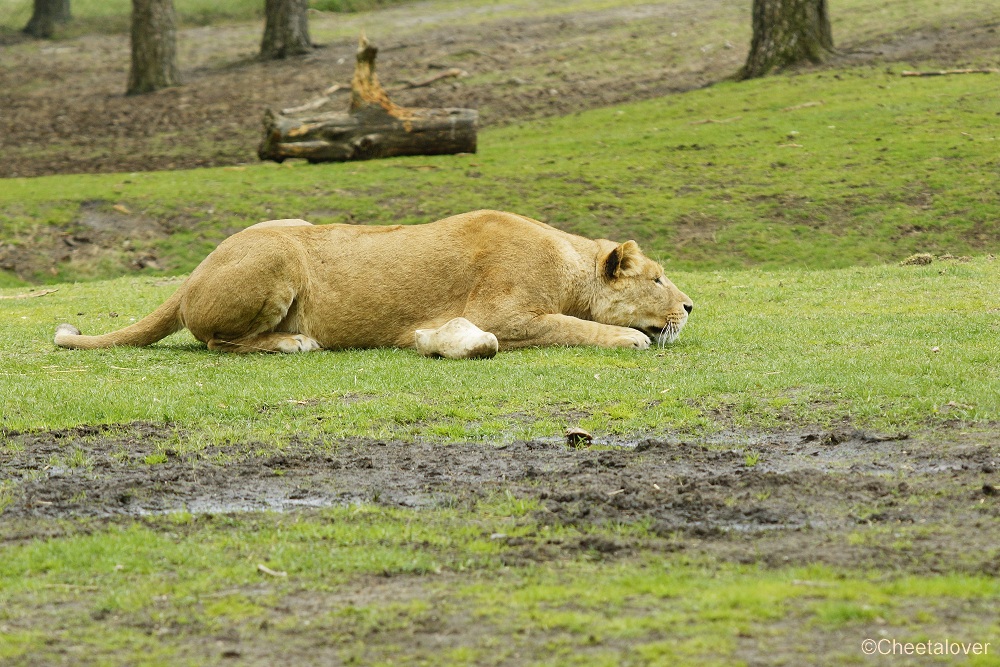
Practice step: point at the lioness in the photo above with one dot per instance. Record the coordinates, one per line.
(289, 286)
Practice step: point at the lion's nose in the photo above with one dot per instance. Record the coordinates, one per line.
(689, 307)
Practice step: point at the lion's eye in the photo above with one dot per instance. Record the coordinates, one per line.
(658, 281)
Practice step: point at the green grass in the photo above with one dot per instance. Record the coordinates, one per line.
(763, 349)
(879, 168)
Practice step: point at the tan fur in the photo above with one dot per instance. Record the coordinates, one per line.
(288, 286)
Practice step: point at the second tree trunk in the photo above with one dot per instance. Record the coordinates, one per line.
(286, 29)
(154, 47)
(46, 14)
(787, 32)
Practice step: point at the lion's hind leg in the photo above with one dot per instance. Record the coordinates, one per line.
(258, 320)
(267, 342)
(245, 296)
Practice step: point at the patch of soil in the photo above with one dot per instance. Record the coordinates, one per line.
(960, 45)
(103, 232)
(751, 497)
(696, 227)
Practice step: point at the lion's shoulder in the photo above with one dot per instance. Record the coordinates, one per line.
(501, 228)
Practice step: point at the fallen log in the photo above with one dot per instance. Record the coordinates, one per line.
(373, 127)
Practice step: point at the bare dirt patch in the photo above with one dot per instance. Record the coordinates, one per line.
(102, 233)
(960, 45)
(772, 497)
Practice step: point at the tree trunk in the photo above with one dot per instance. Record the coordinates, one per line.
(154, 47)
(46, 14)
(374, 126)
(286, 29)
(787, 32)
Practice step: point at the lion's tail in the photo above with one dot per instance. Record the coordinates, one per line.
(159, 324)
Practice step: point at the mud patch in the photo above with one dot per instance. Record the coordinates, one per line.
(961, 44)
(696, 228)
(773, 497)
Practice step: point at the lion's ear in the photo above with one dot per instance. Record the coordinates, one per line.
(625, 260)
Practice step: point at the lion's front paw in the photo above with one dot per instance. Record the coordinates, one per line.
(632, 338)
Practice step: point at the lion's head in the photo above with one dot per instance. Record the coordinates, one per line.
(634, 292)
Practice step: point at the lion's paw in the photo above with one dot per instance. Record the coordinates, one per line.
(298, 343)
(634, 339)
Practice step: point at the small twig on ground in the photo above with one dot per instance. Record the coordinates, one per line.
(30, 295)
(481, 54)
(804, 105)
(447, 74)
(395, 47)
(308, 106)
(274, 573)
(222, 594)
(712, 120)
(945, 72)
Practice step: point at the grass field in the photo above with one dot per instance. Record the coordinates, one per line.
(813, 464)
